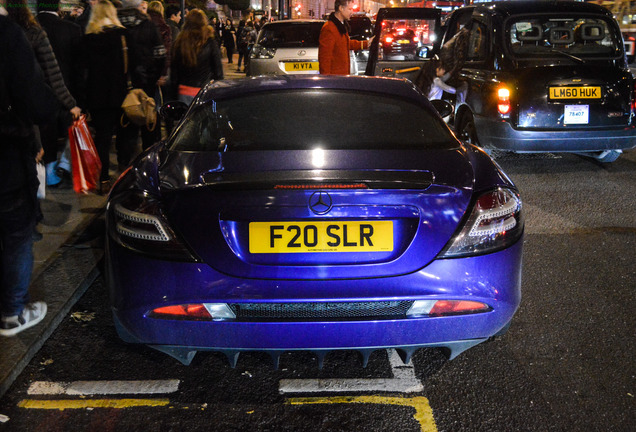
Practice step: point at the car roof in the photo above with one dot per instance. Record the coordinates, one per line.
(218, 90)
(527, 6)
(293, 22)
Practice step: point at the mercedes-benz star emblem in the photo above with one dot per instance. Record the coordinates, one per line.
(320, 202)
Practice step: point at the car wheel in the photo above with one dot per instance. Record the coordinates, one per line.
(606, 156)
(467, 131)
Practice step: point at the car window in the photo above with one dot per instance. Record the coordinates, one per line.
(552, 36)
(299, 120)
(360, 28)
(477, 42)
(290, 35)
(406, 39)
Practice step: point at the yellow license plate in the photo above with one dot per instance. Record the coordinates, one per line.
(323, 236)
(403, 41)
(301, 66)
(575, 92)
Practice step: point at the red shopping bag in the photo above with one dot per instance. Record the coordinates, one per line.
(84, 158)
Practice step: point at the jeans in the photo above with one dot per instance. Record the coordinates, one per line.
(17, 220)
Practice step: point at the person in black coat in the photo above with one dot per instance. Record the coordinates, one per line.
(24, 100)
(227, 33)
(106, 81)
(65, 38)
(147, 58)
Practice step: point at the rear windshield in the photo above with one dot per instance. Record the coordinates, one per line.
(563, 36)
(303, 120)
(290, 35)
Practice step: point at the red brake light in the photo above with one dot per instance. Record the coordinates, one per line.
(452, 307)
(503, 100)
(388, 39)
(192, 311)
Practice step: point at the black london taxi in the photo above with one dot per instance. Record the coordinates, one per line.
(541, 76)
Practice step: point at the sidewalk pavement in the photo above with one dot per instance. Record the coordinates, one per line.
(65, 265)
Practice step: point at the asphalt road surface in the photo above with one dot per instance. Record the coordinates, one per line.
(567, 363)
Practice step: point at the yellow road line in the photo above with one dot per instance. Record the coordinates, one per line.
(423, 411)
(63, 404)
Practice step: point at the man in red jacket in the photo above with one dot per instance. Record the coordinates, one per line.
(333, 53)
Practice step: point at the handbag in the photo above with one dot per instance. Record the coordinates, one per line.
(85, 162)
(138, 107)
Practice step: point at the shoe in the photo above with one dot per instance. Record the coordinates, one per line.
(52, 179)
(32, 314)
(104, 187)
(36, 235)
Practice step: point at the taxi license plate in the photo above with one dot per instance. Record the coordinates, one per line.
(403, 41)
(576, 114)
(322, 236)
(575, 92)
(301, 66)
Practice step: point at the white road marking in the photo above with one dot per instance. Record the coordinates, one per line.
(103, 387)
(403, 381)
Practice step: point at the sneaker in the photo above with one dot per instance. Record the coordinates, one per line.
(32, 314)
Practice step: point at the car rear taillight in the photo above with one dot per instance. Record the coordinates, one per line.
(435, 308)
(388, 39)
(194, 312)
(503, 100)
(136, 222)
(495, 222)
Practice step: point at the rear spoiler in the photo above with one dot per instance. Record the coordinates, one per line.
(319, 179)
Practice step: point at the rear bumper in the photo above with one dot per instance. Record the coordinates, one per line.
(501, 135)
(494, 279)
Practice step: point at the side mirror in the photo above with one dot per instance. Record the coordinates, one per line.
(443, 108)
(173, 110)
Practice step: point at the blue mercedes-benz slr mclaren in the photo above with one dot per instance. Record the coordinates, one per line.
(313, 213)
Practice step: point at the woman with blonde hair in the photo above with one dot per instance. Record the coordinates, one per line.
(106, 81)
(196, 58)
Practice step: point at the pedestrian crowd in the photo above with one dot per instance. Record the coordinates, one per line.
(57, 67)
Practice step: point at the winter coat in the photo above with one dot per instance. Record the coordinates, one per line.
(333, 52)
(166, 36)
(146, 52)
(22, 87)
(46, 58)
(227, 33)
(208, 67)
(104, 62)
(65, 38)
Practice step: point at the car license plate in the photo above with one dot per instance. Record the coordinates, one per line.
(321, 236)
(575, 92)
(403, 41)
(576, 114)
(301, 66)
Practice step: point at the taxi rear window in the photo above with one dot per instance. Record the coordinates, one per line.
(302, 120)
(550, 36)
(290, 35)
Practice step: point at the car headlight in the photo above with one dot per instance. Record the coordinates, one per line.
(495, 222)
(259, 52)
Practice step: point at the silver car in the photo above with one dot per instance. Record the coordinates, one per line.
(286, 47)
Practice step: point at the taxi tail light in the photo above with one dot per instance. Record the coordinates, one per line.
(388, 39)
(194, 312)
(415, 39)
(495, 222)
(503, 100)
(436, 308)
(137, 222)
